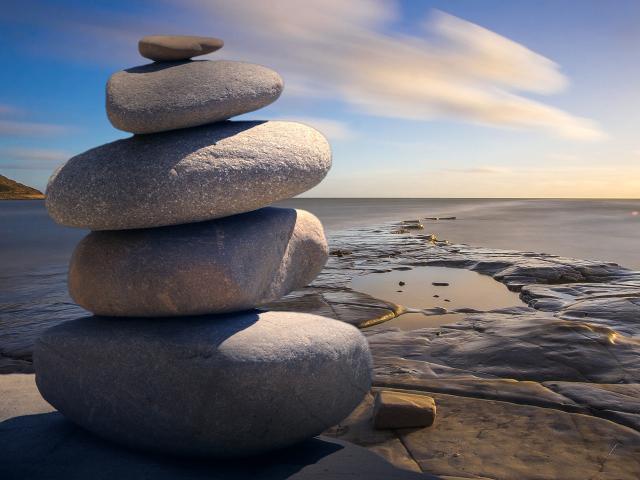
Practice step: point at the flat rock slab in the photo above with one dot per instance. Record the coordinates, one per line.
(168, 48)
(226, 265)
(517, 344)
(187, 176)
(39, 443)
(474, 438)
(168, 96)
(508, 390)
(20, 397)
(393, 410)
(220, 386)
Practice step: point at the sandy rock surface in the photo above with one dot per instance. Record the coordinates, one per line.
(473, 438)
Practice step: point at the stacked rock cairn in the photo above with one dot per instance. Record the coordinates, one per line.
(183, 249)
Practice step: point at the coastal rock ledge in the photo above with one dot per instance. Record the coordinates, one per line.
(230, 385)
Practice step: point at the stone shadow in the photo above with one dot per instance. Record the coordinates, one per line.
(46, 446)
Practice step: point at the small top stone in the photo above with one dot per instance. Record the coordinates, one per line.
(170, 48)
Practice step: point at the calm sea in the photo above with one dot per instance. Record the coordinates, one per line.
(591, 229)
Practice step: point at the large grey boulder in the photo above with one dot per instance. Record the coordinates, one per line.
(219, 266)
(167, 96)
(209, 386)
(187, 176)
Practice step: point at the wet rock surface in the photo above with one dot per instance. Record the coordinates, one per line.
(488, 439)
(572, 354)
(534, 379)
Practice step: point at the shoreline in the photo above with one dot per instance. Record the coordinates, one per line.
(568, 357)
(376, 249)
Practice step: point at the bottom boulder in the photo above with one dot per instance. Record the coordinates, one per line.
(225, 385)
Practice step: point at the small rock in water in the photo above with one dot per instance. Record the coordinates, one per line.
(167, 48)
(436, 296)
(168, 96)
(187, 175)
(225, 265)
(447, 300)
(394, 410)
(340, 253)
(440, 284)
(227, 385)
(402, 284)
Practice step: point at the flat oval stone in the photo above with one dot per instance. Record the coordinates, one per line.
(168, 96)
(228, 385)
(224, 265)
(187, 176)
(167, 48)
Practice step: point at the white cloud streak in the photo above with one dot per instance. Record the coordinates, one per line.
(345, 50)
(457, 70)
(34, 154)
(332, 129)
(11, 127)
(479, 170)
(30, 129)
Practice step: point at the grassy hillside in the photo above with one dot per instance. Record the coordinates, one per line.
(12, 190)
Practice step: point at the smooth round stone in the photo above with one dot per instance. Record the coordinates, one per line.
(187, 176)
(168, 48)
(225, 265)
(168, 96)
(208, 386)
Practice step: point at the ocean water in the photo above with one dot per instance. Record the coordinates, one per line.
(590, 229)
(34, 251)
(433, 294)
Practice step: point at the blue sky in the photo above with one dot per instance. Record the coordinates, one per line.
(418, 98)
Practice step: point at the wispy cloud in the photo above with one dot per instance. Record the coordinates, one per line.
(36, 154)
(22, 158)
(10, 126)
(456, 70)
(31, 129)
(562, 157)
(344, 50)
(8, 109)
(332, 129)
(479, 170)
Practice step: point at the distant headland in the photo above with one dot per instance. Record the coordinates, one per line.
(12, 190)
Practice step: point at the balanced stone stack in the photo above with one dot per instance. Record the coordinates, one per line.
(184, 248)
